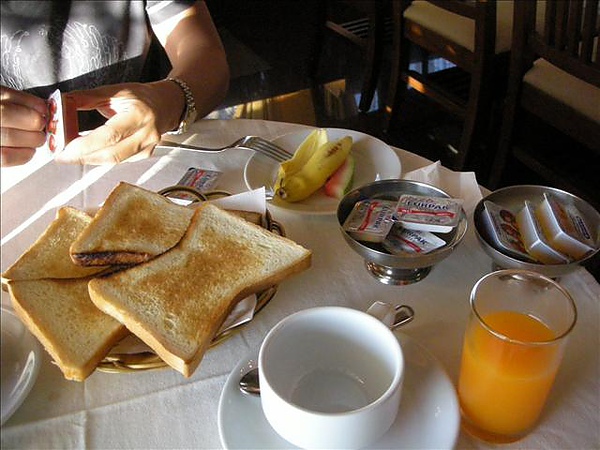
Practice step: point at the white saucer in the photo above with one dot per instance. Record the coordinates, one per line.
(428, 418)
(375, 160)
(20, 364)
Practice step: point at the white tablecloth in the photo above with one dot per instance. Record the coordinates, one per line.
(161, 409)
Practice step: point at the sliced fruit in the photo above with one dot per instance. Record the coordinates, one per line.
(313, 175)
(303, 153)
(341, 181)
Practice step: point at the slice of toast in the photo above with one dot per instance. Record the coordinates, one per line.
(177, 301)
(49, 255)
(250, 216)
(133, 226)
(60, 314)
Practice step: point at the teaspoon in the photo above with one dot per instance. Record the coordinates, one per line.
(249, 383)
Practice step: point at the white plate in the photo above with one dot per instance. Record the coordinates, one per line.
(375, 160)
(428, 418)
(21, 358)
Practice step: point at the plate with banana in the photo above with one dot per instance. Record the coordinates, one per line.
(326, 164)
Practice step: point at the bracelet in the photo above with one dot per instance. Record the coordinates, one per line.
(189, 112)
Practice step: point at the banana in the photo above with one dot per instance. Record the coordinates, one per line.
(305, 150)
(315, 172)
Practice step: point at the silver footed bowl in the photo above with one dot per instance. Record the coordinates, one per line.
(512, 198)
(406, 268)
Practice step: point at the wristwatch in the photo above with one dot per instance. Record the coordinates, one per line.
(189, 112)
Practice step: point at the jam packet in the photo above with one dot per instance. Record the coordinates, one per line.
(402, 240)
(424, 213)
(504, 231)
(62, 124)
(370, 220)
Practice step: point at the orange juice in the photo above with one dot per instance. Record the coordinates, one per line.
(503, 383)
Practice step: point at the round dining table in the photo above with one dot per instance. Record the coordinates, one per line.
(160, 408)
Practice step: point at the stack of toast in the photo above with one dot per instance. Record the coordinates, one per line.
(170, 274)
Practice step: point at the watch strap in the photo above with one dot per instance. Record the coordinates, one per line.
(189, 112)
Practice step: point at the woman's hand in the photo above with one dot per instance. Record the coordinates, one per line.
(22, 123)
(137, 116)
(137, 113)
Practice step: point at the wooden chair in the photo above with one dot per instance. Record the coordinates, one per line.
(474, 35)
(367, 32)
(554, 85)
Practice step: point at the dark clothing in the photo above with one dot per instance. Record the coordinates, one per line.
(77, 44)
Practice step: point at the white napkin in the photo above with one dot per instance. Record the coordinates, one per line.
(462, 185)
(252, 201)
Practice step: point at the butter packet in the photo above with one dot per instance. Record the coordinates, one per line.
(424, 213)
(564, 227)
(402, 240)
(202, 180)
(504, 231)
(370, 220)
(534, 238)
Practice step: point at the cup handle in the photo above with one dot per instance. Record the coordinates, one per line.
(390, 315)
(404, 314)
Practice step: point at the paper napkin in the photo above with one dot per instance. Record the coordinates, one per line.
(461, 185)
(252, 201)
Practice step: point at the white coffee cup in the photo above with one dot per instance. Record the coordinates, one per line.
(331, 377)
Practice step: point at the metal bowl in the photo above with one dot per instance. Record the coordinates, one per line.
(397, 269)
(512, 198)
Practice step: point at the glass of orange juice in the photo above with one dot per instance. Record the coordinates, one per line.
(513, 345)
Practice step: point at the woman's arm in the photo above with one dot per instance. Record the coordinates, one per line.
(197, 57)
(139, 113)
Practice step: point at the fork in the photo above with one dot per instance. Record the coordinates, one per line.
(255, 143)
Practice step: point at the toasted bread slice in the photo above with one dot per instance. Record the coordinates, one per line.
(49, 255)
(133, 226)
(60, 314)
(250, 216)
(177, 301)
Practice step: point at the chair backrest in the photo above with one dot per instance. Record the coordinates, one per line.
(568, 39)
(555, 76)
(481, 13)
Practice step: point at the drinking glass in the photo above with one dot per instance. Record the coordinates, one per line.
(513, 344)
